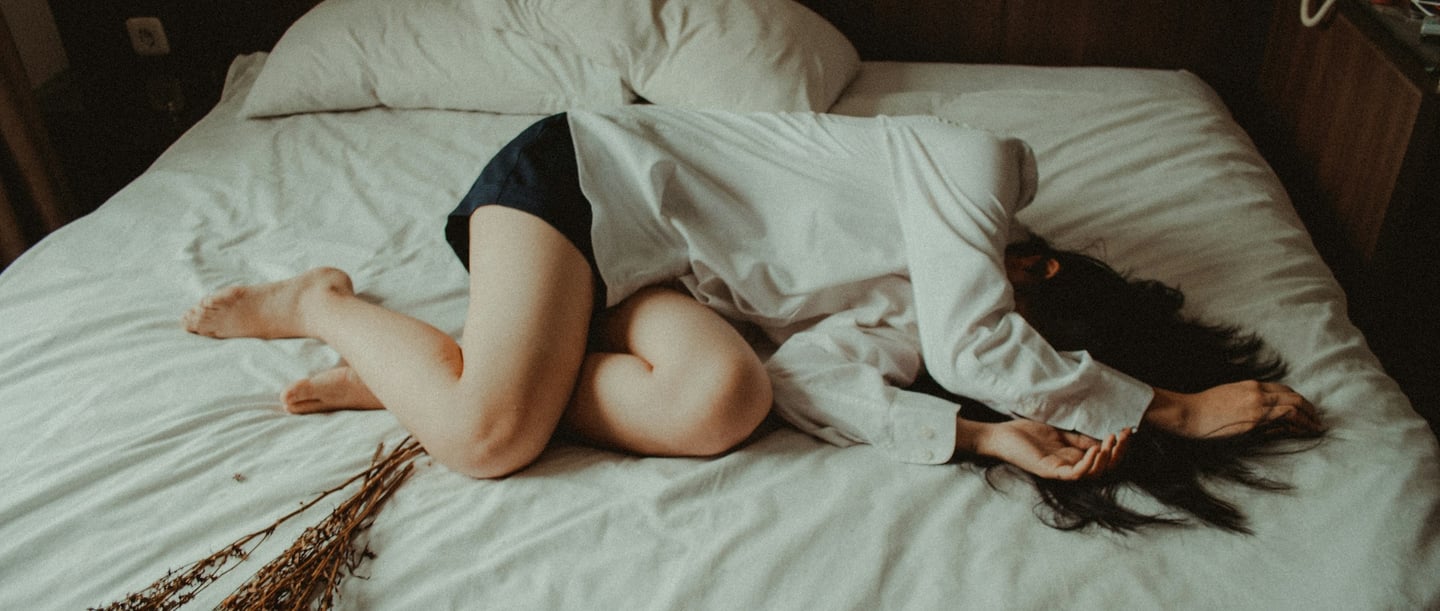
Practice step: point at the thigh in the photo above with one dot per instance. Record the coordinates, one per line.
(524, 338)
(669, 327)
(671, 377)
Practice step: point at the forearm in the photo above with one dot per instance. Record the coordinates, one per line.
(1167, 410)
(1229, 409)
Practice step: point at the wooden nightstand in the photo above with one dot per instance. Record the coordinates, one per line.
(1353, 127)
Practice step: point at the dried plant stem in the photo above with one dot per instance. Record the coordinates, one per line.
(308, 574)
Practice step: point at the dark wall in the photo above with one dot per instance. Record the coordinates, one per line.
(204, 35)
(114, 111)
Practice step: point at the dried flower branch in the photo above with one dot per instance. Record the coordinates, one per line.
(308, 574)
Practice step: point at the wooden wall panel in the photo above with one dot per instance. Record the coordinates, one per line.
(1221, 40)
(919, 30)
(1350, 113)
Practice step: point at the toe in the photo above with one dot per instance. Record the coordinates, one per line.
(298, 392)
(194, 321)
(305, 407)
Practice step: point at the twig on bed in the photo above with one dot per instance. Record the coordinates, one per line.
(308, 574)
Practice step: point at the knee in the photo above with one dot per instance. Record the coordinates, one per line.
(495, 443)
(490, 463)
(492, 460)
(727, 406)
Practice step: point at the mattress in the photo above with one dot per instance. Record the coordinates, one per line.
(131, 448)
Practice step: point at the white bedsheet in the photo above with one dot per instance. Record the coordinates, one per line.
(130, 447)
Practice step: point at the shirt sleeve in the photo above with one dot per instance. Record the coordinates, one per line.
(839, 380)
(957, 192)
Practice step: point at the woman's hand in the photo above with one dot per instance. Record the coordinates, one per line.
(1231, 409)
(1049, 452)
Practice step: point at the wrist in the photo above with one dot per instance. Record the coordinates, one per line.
(970, 436)
(1166, 411)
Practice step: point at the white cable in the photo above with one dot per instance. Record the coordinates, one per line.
(1313, 19)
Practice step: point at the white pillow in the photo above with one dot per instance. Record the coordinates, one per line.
(543, 56)
(352, 54)
(760, 55)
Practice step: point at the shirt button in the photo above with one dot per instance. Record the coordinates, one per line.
(927, 432)
(926, 456)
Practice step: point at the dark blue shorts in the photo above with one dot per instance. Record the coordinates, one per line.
(535, 173)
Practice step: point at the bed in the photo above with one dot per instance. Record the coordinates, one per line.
(131, 448)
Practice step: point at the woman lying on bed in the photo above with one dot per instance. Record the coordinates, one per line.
(857, 245)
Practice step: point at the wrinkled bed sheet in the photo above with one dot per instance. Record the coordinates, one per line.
(130, 447)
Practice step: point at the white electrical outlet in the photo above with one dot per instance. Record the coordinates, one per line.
(147, 36)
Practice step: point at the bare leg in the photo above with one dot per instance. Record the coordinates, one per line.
(485, 406)
(675, 380)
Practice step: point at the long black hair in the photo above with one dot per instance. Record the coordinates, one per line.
(1137, 327)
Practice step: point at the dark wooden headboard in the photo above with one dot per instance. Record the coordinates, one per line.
(1223, 41)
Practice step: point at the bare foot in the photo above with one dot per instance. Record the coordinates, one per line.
(266, 311)
(338, 388)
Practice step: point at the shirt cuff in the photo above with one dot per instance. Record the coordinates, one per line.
(922, 429)
(1110, 403)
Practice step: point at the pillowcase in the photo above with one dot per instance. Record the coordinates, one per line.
(545, 56)
(353, 54)
(740, 55)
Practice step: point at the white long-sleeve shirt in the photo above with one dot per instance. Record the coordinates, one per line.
(863, 247)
